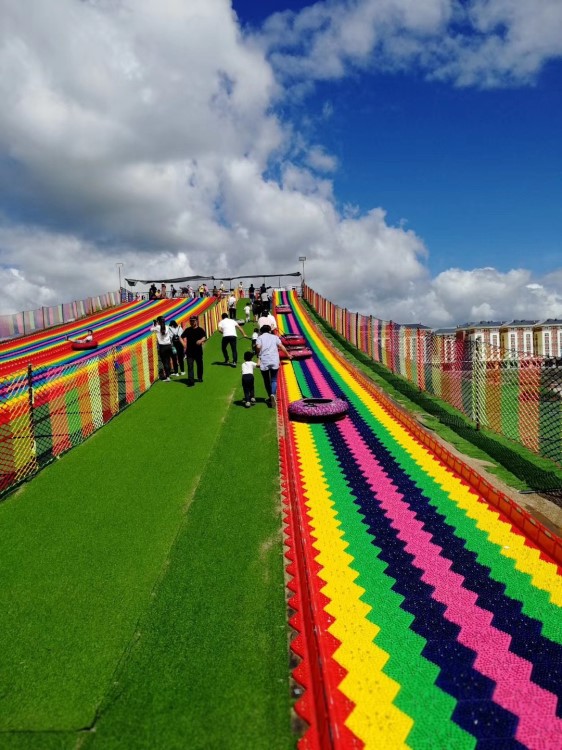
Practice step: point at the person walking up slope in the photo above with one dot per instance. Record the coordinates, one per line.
(268, 347)
(194, 338)
(228, 327)
(248, 368)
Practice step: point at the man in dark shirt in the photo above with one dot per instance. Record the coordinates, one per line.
(194, 337)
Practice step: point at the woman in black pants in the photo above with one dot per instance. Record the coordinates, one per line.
(164, 337)
(179, 351)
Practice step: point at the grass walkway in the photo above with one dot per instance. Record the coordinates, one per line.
(143, 602)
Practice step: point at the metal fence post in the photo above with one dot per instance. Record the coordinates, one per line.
(478, 380)
(31, 407)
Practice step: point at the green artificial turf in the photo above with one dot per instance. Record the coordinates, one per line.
(142, 599)
(511, 462)
(211, 657)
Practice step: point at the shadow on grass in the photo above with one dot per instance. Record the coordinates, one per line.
(534, 472)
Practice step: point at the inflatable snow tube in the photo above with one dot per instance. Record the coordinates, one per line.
(300, 352)
(84, 345)
(318, 409)
(292, 339)
(283, 309)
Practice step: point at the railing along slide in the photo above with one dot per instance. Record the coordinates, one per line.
(426, 604)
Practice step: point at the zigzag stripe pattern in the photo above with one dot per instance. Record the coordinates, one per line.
(442, 619)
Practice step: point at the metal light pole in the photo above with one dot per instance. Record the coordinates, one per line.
(119, 265)
(302, 259)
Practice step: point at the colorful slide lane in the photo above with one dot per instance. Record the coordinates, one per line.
(426, 619)
(119, 326)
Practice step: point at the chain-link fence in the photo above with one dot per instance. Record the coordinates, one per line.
(28, 321)
(512, 393)
(45, 413)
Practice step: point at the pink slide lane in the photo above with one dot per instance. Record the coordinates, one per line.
(514, 689)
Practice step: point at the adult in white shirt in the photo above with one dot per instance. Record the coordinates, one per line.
(164, 337)
(265, 303)
(268, 320)
(178, 352)
(228, 327)
(232, 306)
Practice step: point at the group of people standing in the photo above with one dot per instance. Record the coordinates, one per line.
(177, 345)
(260, 301)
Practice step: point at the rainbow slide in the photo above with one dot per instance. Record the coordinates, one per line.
(112, 328)
(426, 616)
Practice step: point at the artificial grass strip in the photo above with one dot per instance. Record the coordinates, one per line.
(40, 740)
(85, 544)
(210, 667)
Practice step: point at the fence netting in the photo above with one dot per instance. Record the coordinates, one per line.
(29, 321)
(46, 413)
(511, 393)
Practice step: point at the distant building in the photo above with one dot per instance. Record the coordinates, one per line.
(547, 338)
(446, 346)
(512, 340)
(517, 338)
(486, 333)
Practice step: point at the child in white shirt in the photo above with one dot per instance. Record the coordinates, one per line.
(248, 368)
(255, 335)
(247, 312)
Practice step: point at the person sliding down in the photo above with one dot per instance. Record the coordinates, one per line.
(86, 338)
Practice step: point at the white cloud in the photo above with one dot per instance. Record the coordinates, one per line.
(319, 160)
(478, 42)
(148, 133)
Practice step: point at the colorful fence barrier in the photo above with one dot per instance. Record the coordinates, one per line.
(52, 398)
(427, 616)
(28, 321)
(519, 397)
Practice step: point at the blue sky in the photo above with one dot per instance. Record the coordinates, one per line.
(476, 172)
(409, 148)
